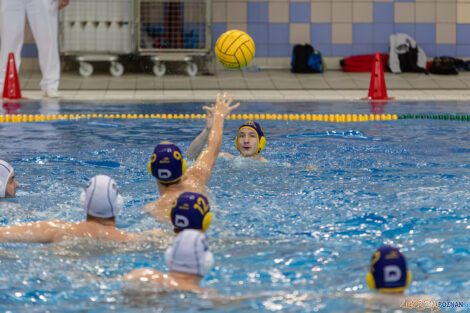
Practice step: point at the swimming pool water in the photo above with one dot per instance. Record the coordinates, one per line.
(298, 238)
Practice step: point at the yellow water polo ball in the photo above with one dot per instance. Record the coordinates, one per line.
(235, 49)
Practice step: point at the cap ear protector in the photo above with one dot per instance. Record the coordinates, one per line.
(190, 210)
(206, 221)
(371, 283)
(259, 134)
(169, 155)
(152, 160)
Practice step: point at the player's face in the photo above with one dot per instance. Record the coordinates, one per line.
(10, 190)
(247, 142)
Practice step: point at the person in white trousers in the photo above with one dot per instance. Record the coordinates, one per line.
(42, 17)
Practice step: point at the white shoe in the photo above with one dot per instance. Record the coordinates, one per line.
(52, 93)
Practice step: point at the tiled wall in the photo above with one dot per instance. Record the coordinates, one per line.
(339, 27)
(347, 27)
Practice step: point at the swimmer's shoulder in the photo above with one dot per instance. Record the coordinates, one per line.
(149, 207)
(155, 234)
(231, 156)
(145, 274)
(92, 230)
(261, 158)
(65, 231)
(192, 182)
(166, 198)
(159, 208)
(153, 276)
(226, 155)
(8, 204)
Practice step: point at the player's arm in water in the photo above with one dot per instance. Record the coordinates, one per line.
(200, 141)
(201, 171)
(37, 232)
(56, 230)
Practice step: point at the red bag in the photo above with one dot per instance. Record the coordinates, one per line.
(362, 63)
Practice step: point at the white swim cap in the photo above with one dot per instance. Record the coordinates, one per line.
(5, 172)
(189, 253)
(101, 197)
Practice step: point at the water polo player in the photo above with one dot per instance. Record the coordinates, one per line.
(8, 183)
(101, 203)
(250, 141)
(188, 260)
(169, 167)
(388, 271)
(190, 211)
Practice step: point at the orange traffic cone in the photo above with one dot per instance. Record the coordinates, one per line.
(377, 88)
(11, 89)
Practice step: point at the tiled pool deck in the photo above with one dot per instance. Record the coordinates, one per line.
(263, 85)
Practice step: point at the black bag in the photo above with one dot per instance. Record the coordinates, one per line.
(409, 60)
(305, 59)
(443, 66)
(461, 65)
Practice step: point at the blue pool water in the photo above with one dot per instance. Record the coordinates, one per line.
(298, 238)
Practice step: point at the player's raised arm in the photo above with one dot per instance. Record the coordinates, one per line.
(200, 141)
(202, 168)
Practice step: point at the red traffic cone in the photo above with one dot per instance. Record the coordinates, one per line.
(377, 88)
(11, 89)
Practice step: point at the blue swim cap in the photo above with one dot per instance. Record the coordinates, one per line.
(190, 211)
(259, 132)
(388, 270)
(167, 164)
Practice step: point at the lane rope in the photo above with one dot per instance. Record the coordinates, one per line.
(339, 118)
